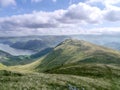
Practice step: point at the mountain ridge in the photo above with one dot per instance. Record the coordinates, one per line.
(76, 51)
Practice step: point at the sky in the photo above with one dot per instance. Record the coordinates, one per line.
(59, 17)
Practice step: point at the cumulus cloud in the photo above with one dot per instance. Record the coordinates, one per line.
(74, 14)
(112, 15)
(83, 12)
(105, 2)
(7, 2)
(61, 21)
(34, 20)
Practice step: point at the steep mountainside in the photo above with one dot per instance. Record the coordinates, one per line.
(78, 51)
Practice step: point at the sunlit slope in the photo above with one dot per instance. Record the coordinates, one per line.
(78, 51)
(18, 81)
(97, 77)
(2, 66)
(26, 68)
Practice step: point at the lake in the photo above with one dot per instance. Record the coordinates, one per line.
(13, 51)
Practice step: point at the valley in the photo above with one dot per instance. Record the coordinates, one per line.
(72, 62)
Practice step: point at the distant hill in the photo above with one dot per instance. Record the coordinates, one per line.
(8, 59)
(4, 54)
(78, 51)
(35, 45)
(114, 45)
(41, 53)
(11, 60)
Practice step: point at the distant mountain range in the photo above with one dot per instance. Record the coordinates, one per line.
(35, 45)
(38, 43)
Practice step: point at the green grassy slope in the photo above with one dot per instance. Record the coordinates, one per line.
(2, 66)
(78, 51)
(39, 81)
(28, 68)
(96, 71)
(88, 76)
(72, 63)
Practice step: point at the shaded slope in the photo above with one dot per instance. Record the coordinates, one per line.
(4, 54)
(41, 53)
(89, 70)
(78, 51)
(8, 59)
(4, 57)
(35, 45)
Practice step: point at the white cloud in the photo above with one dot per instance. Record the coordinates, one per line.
(75, 14)
(111, 12)
(105, 2)
(69, 21)
(112, 15)
(7, 2)
(83, 13)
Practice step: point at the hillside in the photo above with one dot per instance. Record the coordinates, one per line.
(40, 81)
(4, 54)
(2, 66)
(8, 59)
(4, 57)
(35, 45)
(78, 51)
(71, 64)
(11, 60)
